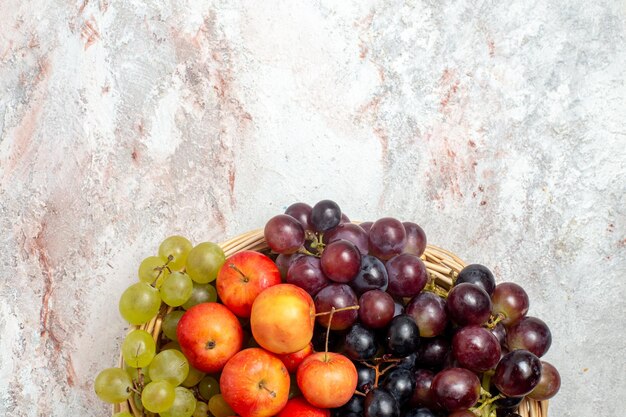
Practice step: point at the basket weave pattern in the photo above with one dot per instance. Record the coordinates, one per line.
(442, 265)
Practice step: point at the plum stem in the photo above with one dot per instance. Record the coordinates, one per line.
(233, 266)
(337, 310)
(262, 386)
(330, 320)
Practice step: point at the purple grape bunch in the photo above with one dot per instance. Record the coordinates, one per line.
(420, 350)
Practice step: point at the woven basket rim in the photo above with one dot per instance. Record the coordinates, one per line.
(442, 265)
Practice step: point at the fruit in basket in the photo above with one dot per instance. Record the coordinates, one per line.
(456, 389)
(175, 250)
(113, 385)
(255, 383)
(138, 348)
(327, 379)
(411, 365)
(169, 365)
(549, 383)
(242, 278)
(282, 319)
(293, 360)
(530, 333)
(209, 335)
(183, 406)
(204, 261)
(139, 303)
(517, 373)
(158, 396)
(284, 234)
(338, 296)
(299, 407)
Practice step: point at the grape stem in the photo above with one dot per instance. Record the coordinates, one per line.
(357, 392)
(330, 320)
(494, 320)
(336, 310)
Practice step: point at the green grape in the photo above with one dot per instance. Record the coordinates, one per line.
(138, 348)
(193, 378)
(208, 387)
(171, 345)
(176, 289)
(158, 396)
(202, 293)
(170, 321)
(219, 407)
(184, 404)
(204, 261)
(139, 303)
(123, 414)
(170, 365)
(113, 385)
(152, 268)
(178, 248)
(202, 409)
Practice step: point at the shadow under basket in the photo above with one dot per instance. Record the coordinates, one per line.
(442, 265)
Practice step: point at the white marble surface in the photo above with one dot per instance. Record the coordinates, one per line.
(499, 126)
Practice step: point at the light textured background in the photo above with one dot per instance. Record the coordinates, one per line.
(500, 127)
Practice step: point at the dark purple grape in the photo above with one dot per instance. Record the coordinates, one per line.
(366, 226)
(510, 300)
(517, 373)
(529, 333)
(403, 336)
(476, 348)
(433, 352)
(456, 389)
(429, 312)
(506, 403)
(284, 261)
(335, 339)
(478, 275)
(408, 362)
(341, 261)
(372, 275)
(549, 383)
(420, 412)
(380, 403)
(422, 395)
(284, 234)
(302, 213)
(360, 342)
(407, 275)
(398, 308)
(400, 383)
(376, 309)
(366, 377)
(325, 215)
(462, 413)
(338, 296)
(468, 304)
(415, 239)
(387, 238)
(354, 405)
(500, 333)
(306, 273)
(350, 232)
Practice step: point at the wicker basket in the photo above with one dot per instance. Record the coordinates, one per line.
(441, 264)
